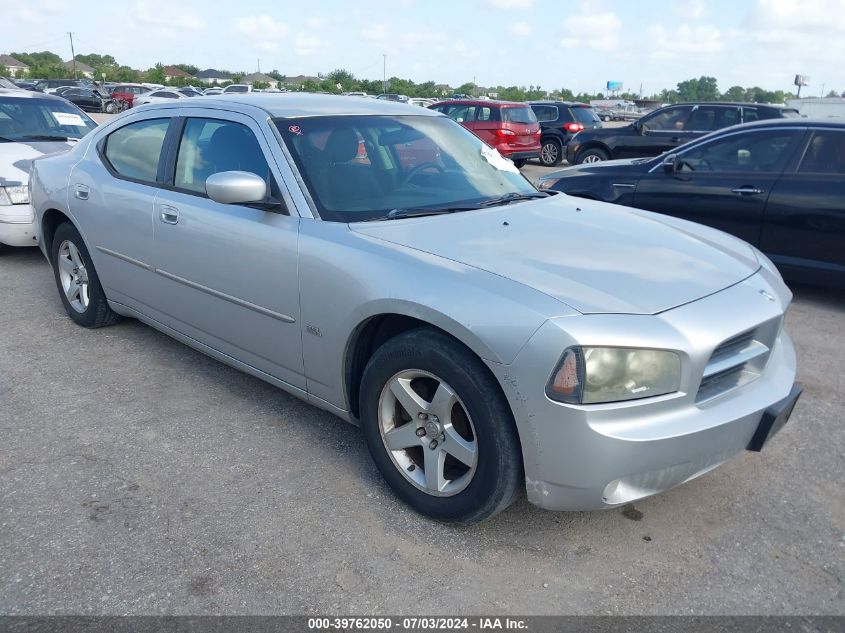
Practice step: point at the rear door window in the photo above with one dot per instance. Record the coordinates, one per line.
(133, 151)
(518, 114)
(764, 151)
(545, 112)
(585, 115)
(825, 154)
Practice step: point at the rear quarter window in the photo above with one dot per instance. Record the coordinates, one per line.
(133, 151)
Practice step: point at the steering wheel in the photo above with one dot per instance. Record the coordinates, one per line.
(416, 170)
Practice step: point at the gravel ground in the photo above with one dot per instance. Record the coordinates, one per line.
(138, 476)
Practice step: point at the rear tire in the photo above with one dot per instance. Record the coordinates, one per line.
(454, 450)
(551, 152)
(77, 281)
(592, 155)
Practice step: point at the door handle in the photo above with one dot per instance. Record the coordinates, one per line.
(747, 191)
(675, 139)
(81, 192)
(168, 214)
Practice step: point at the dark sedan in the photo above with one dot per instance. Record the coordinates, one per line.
(89, 100)
(778, 184)
(665, 129)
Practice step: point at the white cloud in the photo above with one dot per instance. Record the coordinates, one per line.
(511, 4)
(521, 29)
(375, 32)
(690, 9)
(599, 31)
(684, 40)
(166, 20)
(35, 11)
(263, 32)
(305, 45)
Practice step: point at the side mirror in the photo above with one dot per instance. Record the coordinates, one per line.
(236, 187)
(670, 164)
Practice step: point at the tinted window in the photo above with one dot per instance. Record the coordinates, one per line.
(486, 113)
(518, 114)
(709, 118)
(210, 146)
(825, 154)
(758, 151)
(22, 118)
(133, 150)
(237, 89)
(461, 113)
(669, 119)
(585, 115)
(545, 113)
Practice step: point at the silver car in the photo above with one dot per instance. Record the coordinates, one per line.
(387, 266)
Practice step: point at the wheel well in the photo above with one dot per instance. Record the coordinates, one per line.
(368, 337)
(49, 223)
(595, 145)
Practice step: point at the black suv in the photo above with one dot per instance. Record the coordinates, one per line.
(559, 122)
(43, 84)
(665, 129)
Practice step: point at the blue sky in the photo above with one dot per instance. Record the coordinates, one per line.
(553, 43)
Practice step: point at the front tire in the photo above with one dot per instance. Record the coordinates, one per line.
(593, 155)
(550, 152)
(439, 428)
(77, 281)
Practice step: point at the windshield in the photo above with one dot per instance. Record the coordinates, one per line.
(362, 167)
(237, 89)
(22, 119)
(519, 114)
(585, 115)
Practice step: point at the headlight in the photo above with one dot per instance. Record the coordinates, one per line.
(547, 184)
(589, 375)
(14, 195)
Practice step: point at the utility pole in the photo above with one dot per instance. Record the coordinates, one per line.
(72, 54)
(822, 94)
(259, 65)
(384, 75)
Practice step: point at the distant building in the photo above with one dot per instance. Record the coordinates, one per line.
(212, 76)
(297, 81)
(82, 69)
(260, 78)
(174, 72)
(13, 67)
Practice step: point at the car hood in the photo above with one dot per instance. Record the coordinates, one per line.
(16, 158)
(592, 256)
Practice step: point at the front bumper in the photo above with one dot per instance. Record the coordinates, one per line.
(17, 225)
(583, 457)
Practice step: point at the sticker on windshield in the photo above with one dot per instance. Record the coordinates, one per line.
(295, 129)
(492, 156)
(68, 118)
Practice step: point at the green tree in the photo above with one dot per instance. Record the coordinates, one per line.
(466, 89)
(734, 93)
(155, 75)
(343, 77)
(188, 68)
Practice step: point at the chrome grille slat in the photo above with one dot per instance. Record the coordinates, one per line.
(737, 361)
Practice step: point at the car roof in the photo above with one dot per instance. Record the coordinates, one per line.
(301, 104)
(484, 102)
(789, 122)
(28, 94)
(576, 104)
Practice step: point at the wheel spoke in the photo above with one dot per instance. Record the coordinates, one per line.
(403, 436)
(442, 402)
(72, 291)
(434, 462)
(66, 265)
(458, 447)
(74, 254)
(407, 397)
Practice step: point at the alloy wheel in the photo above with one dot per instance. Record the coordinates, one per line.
(549, 154)
(428, 432)
(74, 276)
(591, 158)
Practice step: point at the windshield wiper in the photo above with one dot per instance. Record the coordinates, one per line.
(418, 212)
(513, 197)
(46, 137)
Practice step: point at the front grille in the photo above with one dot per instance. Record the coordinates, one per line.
(738, 360)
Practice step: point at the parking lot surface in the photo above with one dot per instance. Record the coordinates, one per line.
(138, 476)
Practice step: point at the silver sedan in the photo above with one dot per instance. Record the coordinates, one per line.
(387, 266)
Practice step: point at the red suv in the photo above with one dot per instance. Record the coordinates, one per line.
(510, 127)
(127, 92)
